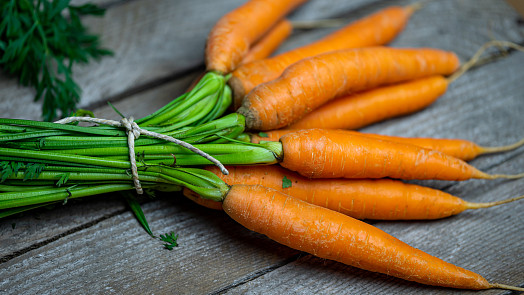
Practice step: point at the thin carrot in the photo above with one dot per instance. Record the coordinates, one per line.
(381, 199)
(323, 153)
(233, 35)
(269, 42)
(365, 108)
(377, 29)
(309, 83)
(263, 47)
(215, 205)
(332, 235)
(459, 148)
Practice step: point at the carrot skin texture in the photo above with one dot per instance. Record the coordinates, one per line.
(332, 235)
(458, 148)
(309, 83)
(376, 29)
(365, 108)
(234, 33)
(324, 153)
(380, 199)
(269, 42)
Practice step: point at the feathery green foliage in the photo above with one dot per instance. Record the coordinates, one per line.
(40, 43)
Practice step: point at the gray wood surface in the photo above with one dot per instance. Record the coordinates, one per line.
(96, 245)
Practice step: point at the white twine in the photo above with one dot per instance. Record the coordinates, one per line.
(133, 132)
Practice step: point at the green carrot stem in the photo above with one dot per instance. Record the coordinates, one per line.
(66, 193)
(13, 211)
(51, 156)
(55, 126)
(142, 122)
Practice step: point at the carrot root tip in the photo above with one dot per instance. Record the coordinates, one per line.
(506, 287)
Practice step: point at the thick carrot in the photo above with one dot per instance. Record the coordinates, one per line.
(323, 153)
(376, 29)
(459, 148)
(332, 235)
(232, 36)
(309, 83)
(381, 199)
(269, 42)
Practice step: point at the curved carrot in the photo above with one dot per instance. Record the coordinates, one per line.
(269, 42)
(332, 235)
(381, 199)
(232, 36)
(323, 153)
(377, 29)
(459, 148)
(309, 83)
(365, 108)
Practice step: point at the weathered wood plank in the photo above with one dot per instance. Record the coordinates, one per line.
(116, 255)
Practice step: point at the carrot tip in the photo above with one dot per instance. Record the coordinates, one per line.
(507, 287)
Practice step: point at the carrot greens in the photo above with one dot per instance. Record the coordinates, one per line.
(40, 45)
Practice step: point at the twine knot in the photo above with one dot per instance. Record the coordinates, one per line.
(133, 132)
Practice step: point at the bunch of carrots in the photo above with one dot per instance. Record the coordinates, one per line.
(327, 177)
(346, 80)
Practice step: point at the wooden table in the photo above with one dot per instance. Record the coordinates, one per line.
(97, 247)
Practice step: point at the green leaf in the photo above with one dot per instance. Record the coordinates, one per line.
(262, 134)
(170, 239)
(286, 182)
(40, 44)
(137, 210)
(64, 177)
(33, 170)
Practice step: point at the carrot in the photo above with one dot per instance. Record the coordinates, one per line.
(459, 148)
(365, 108)
(215, 205)
(263, 47)
(377, 29)
(232, 36)
(358, 110)
(309, 83)
(332, 235)
(381, 199)
(323, 153)
(269, 42)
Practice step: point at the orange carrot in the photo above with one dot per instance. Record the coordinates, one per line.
(323, 153)
(365, 108)
(215, 205)
(381, 199)
(332, 235)
(309, 83)
(376, 29)
(232, 36)
(269, 42)
(459, 148)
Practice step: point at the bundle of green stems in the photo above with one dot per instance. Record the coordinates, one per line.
(44, 163)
